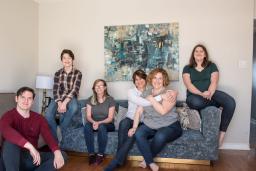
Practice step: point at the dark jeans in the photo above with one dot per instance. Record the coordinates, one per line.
(102, 136)
(15, 158)
(149, 149)
(219, 99)
(65, 118)
(125, 143)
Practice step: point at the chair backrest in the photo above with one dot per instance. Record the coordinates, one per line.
(7, 102)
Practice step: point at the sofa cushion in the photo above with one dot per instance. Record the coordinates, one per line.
(120, 115)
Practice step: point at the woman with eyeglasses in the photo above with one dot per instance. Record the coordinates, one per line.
(100, 114)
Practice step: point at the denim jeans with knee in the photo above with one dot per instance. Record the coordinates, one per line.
(219, 99)
(150, 148)
(16, 158)
(102, 132)
(65, 118)
(125, 143)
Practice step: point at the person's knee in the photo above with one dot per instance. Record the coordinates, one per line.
(102, 127)
(160, 138)
(231, 103)
(124, 124)
(73, 106)
(139, 134)
(195, 102)
(9, 145)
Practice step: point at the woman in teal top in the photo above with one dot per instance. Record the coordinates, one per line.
(201, 77)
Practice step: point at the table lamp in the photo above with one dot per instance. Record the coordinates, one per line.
(46, 83)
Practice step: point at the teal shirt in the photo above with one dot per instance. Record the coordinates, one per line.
(200, 79)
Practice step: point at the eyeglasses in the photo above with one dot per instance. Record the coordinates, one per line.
(99, 86)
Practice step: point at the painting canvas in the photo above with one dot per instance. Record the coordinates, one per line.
(143, 46)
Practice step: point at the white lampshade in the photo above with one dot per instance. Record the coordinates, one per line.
(44, 82)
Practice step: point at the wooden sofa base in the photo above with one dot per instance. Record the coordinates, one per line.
(162, 162)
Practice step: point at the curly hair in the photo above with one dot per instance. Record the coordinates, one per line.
(166, 79)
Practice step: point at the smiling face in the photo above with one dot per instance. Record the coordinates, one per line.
(199, 55)
(158, 81)
(25, 101)
(67, 60)
(140, 83)
(100, 88)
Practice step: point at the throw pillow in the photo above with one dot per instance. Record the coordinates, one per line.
(120, 116)
(189, 118)
(83, 112)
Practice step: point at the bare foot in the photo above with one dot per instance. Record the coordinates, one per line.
(221, 138)
(143, 164)
(154, 166)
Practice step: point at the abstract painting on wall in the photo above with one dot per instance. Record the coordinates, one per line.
(144, 46)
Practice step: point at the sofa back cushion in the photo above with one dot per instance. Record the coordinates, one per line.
(7, 102)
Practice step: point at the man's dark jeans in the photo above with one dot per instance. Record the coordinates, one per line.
(16, 158)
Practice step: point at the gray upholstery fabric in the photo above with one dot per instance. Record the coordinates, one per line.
(193, 144)
(7, 102)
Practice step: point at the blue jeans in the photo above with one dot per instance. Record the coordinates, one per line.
(219, 99)
(102, 131)
(125, 143)
(65, 118)
(16, 158)
(160, 137)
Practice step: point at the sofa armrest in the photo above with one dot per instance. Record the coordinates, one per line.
(210, 123)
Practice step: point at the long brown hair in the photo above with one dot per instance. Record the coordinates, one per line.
(192, 62)
(94, 98)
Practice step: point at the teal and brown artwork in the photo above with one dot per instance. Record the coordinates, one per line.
(143, 46)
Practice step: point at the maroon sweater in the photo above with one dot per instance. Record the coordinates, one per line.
(19, 130)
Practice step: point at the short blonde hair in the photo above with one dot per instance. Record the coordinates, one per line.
(151, 75)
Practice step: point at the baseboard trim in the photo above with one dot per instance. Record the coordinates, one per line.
(162, 162)
(165, 161)
(235, 146)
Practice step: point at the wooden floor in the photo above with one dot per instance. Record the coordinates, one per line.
(229, 160)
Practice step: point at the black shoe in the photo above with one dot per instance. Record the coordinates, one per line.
(99, 159)
(92, 159)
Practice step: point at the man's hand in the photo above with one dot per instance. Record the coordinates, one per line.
(58, 161)
(34, 153)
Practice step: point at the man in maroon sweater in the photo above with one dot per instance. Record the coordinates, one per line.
(20, 128)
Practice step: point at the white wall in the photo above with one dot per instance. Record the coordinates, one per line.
(18, 44)
(225, 27)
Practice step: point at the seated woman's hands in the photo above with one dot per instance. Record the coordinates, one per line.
(95, 125)
(207, 95)
(131, 132)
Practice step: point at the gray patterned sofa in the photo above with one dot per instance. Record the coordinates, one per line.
(192, 144)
